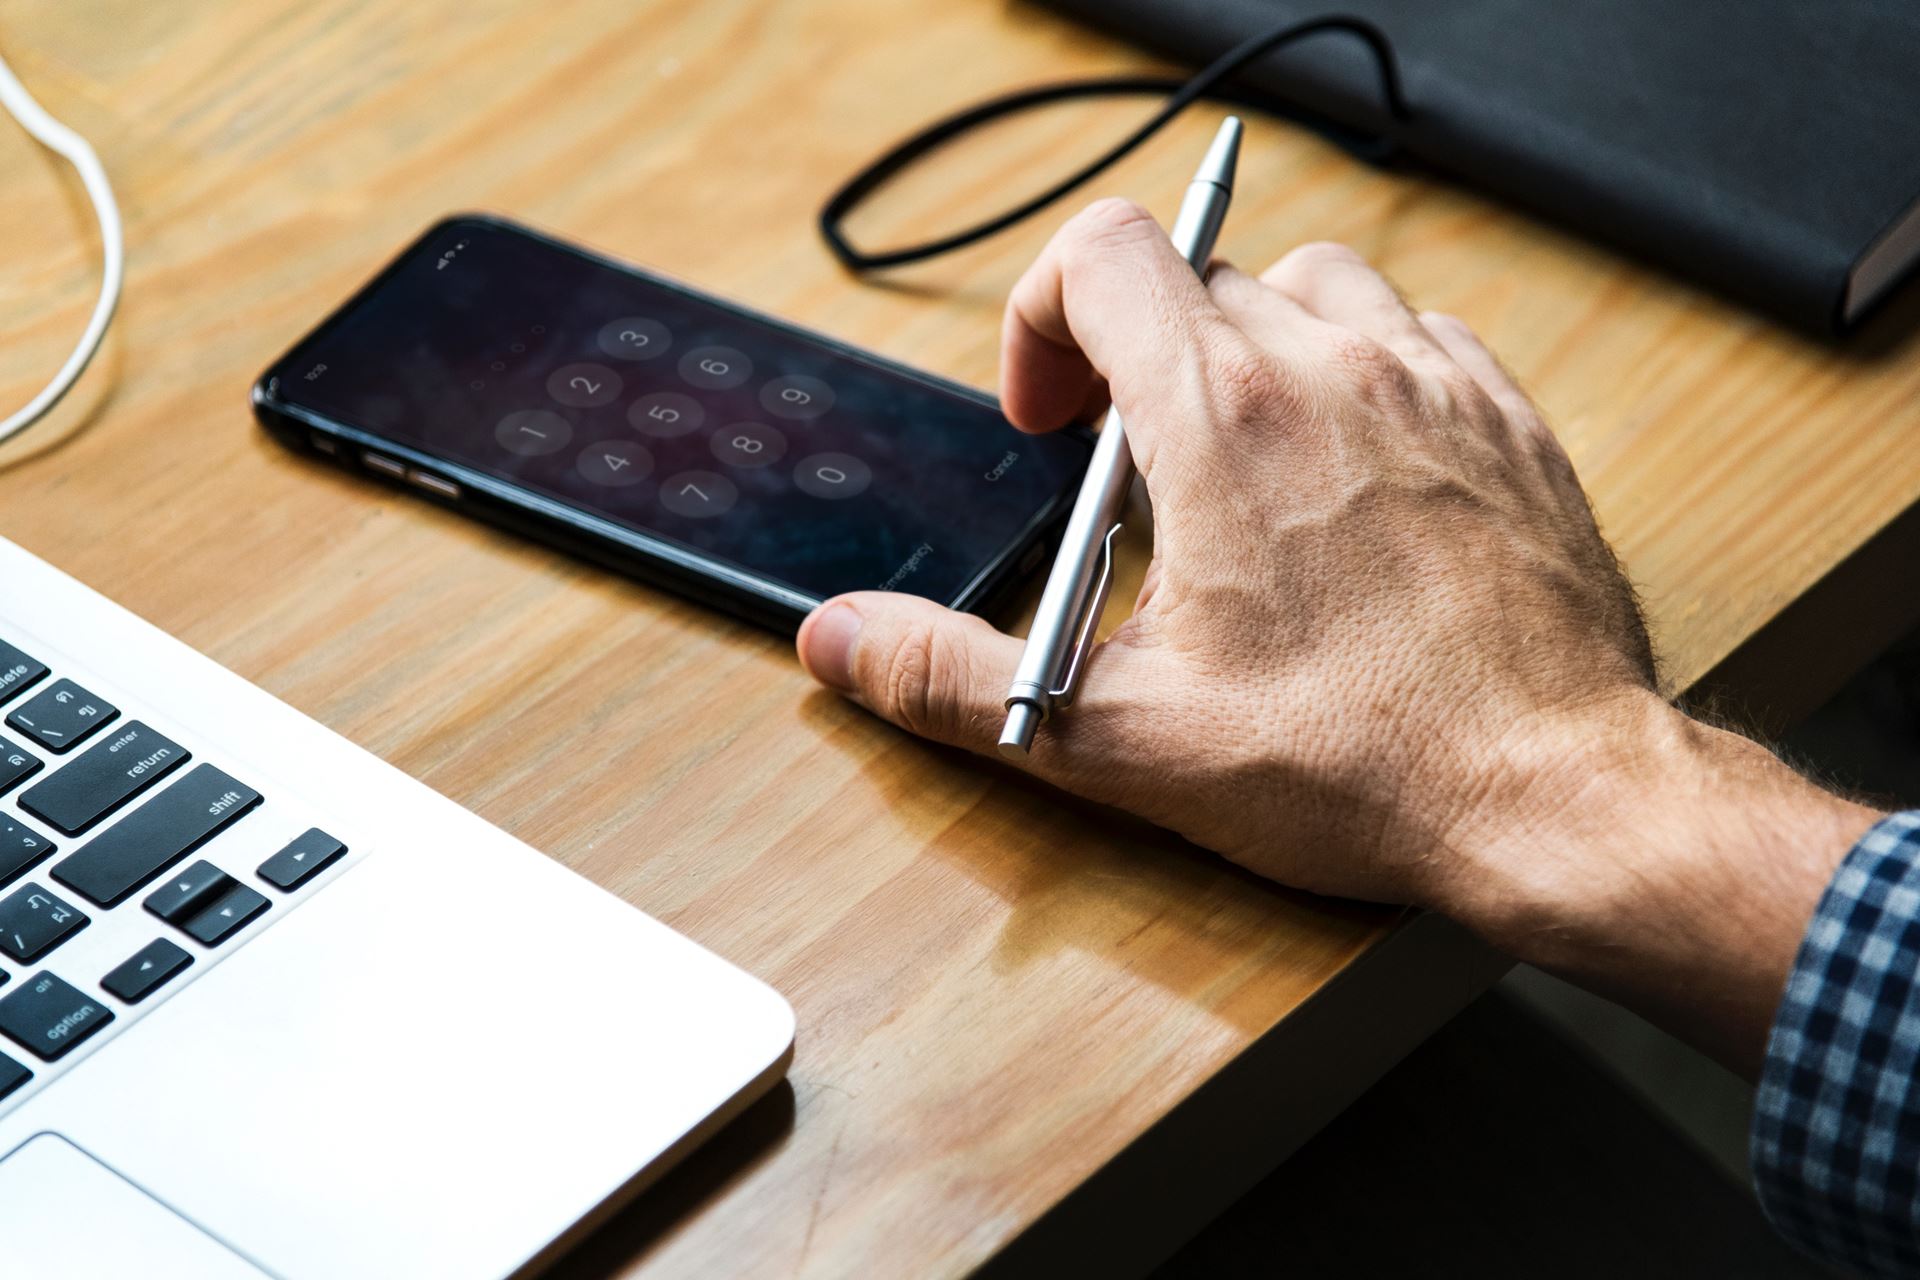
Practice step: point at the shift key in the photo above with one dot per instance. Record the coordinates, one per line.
(103, 777)
(155, 836)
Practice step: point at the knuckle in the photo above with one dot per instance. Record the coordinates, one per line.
(1535, 429)
(1326, 252)
(1108, 223)
(1243, 382)
(1370, 366)
(918, 668)
(1313, 256)
(1461, 396)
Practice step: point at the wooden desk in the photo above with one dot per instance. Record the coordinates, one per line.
(997, 993)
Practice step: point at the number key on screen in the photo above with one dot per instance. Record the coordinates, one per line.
(698, 495)
(615, 464)
(832, 476)
(635, 338)
(715, 368)
(749, 444)
(533, 433)
(666, 414)
(584, 386)
(796, 396)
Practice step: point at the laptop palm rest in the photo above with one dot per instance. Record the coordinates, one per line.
(65, 1215)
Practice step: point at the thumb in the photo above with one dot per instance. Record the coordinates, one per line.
(935, 673)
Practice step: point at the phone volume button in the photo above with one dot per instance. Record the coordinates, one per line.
(433, 484)
(385, 465)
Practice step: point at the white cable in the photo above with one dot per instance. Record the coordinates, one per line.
(63, 141)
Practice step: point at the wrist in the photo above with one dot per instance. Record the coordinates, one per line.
(1655, 859)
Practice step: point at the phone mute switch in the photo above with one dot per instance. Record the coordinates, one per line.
(433, 484)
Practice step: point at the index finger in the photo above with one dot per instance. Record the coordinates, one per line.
(1109, 297)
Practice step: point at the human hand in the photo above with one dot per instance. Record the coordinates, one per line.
(1382, 649)
(1375, 582)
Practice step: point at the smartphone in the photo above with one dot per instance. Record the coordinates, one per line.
(687, 441)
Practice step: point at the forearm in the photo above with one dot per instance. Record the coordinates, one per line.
(1663, 862)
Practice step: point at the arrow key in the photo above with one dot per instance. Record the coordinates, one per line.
(186, 893)
(148, 968)
(216, 922)
(302, 860)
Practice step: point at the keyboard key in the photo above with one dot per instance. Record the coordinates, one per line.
(301, 861)
(103, 778)
(218, 921)
(61, 716)
(16, 765)
(21, 847)
(17, 671)
(188, 892)
(49, 1017)
(165, 829)
(147, 970)
(12, 1075)
(34, 922)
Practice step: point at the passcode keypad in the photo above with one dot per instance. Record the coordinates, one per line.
(621, 417)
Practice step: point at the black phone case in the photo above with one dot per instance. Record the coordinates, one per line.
(652, 559)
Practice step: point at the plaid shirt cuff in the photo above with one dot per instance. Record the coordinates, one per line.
(1836, 1122)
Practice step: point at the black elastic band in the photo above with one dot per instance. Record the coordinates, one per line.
(1205, 83)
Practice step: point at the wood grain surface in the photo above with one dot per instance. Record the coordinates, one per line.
(997, 991)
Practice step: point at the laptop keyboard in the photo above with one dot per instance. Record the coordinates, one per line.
(70, 760)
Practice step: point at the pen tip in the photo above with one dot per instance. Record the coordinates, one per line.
(1016, 738)
(1223, 156)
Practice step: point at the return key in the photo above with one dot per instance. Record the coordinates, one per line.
(103, 778)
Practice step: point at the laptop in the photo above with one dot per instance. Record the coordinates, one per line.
(269, 1007)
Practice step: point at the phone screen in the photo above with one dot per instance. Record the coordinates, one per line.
(678, 416)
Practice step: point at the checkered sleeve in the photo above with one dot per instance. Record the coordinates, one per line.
(1836, 1121)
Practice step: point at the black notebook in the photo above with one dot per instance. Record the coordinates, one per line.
(1769, 148)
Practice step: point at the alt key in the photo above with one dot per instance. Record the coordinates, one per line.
(49, 1016)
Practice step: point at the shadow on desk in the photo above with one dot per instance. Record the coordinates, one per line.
(619, 1243)
(1071, 875)
(1495, 1151)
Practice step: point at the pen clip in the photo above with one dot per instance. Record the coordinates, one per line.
(1062, 697)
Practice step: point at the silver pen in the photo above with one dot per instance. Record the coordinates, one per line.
(1076, 592)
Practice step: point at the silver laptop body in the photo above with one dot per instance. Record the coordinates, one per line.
(436, 1055)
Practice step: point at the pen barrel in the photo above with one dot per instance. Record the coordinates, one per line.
(1202, 211)
(1066, 603)
(1103, 496)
